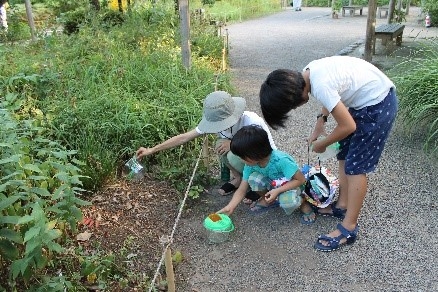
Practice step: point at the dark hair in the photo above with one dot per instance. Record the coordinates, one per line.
(281, 92)
(251, 142)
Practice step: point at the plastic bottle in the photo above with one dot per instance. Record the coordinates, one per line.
(427, 21)
(329, 152)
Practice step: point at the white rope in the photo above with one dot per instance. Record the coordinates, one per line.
(169, 239)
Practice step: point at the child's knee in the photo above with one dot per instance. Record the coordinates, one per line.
(258, 182)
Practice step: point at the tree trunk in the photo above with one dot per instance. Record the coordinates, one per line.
(30, 19)
(185, 32)
(119, 2)
(371, 24)
(408, 4)
(391, 11)
(95, 4)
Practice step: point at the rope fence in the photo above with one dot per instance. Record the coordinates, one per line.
(169, 240)
(166, 241)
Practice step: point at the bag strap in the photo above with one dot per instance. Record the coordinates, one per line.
(308, 157)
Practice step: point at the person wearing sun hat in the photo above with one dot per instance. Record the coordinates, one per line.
(223, 115)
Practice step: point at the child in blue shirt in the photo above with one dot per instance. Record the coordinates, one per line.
(273, 174)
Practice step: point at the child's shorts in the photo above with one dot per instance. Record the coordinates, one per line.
(230, 159)
(289, 200)
(362, 149)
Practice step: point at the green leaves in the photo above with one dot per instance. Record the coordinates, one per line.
(37, 176)
(6, 202)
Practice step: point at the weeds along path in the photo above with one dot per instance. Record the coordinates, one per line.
(274, 252)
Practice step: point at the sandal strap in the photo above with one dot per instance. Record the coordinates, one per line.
(345, 232)
(337, 212)
(332, 241)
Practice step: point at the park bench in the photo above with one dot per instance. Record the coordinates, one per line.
(352, 9)
(384, 8)
(388, 32)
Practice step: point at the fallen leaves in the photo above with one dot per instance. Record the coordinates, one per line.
(144, 210)
(84, 236)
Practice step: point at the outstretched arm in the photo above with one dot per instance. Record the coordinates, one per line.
(168, 144)
(345, 126)
(237, 198)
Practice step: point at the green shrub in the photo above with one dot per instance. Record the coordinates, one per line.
(17, 29)
(39, 187)
(416, 79)
(105, 92)
(237, 10)
(431, 8)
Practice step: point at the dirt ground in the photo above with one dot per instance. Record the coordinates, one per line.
(128, 218)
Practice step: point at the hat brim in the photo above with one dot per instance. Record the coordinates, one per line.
(216, 127)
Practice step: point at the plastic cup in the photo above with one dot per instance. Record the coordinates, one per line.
(135, 168)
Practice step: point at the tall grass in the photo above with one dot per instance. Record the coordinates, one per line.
(416, 79)
(238, 10)
(107, 91)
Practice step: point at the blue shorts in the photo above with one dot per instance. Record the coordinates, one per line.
(362, 149)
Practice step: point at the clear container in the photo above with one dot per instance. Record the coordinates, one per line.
(329, 152)
(219, 229)
(135, 169)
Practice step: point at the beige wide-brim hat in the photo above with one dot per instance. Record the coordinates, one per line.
(220, 112)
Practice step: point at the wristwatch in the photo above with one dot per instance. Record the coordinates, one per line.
(323, 117)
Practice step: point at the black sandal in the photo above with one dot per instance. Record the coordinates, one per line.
(228, 189)
(253, 196)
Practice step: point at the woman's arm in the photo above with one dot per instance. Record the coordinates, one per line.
(168, 144)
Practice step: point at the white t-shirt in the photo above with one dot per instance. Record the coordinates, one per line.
(355, 82)
(247, 118)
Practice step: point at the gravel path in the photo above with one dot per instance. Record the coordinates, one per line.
(397, 243)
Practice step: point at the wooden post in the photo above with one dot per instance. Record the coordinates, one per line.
(30, 19)
(371, 27)
(185, 32)
(170, 276)
(205, 153)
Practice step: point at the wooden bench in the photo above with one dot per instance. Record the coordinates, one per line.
(381, 9)
(352, 9)
(388, 32)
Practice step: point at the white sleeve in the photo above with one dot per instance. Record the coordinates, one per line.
(250, 118)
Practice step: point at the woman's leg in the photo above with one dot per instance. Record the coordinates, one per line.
(236, 172)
